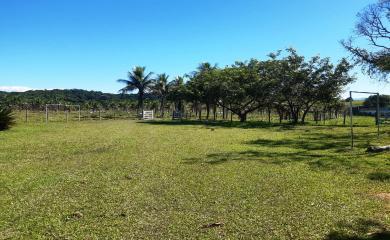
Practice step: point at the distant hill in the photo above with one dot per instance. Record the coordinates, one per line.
(66, 96)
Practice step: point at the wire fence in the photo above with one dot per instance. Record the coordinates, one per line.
(36, 116)
(67, 113)
(364, 121)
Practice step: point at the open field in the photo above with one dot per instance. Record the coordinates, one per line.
(174, 180)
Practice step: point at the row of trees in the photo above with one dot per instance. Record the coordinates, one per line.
(36, 99)
(371, 101)
(285, 82)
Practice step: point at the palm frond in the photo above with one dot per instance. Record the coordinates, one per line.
(123, 81)
(148, 76)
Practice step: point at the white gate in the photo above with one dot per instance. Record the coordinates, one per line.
(148, 115)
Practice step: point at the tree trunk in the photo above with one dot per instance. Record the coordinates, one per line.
(162, 107)
(324, 115)
(196, 105)
(294, 112)
(178, 106)
(269, 115)
(280, 113)
(304, 116)
(141, 104)
(295, 117)
(207, 111)
(242, 117)
(344, 116)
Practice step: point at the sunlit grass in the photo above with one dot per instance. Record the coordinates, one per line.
(122, 179)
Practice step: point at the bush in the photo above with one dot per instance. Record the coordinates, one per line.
(7, 119)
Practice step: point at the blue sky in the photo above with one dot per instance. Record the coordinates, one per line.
(46, 44)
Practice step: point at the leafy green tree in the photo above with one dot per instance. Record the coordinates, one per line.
(373, 27)
(138, 80)
(177, 93)
(204, 85)
(371, 101)
(302, 84)
(194, 95)
(161, 90)
(242, 89)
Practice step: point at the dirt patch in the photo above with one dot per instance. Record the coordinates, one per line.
(213, 225)
(383, 196)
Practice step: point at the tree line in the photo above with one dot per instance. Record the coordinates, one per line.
(36, 99)
(286, 82)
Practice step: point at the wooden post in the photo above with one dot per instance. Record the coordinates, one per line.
(377, 113)
(47, 115)
(269, 114)
(26, 113)
(344, 116)
(350, 117)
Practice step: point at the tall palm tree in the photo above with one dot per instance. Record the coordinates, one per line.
(177, 92)
(140, 81)
(203, 76)
(206, 66)
(161, 88)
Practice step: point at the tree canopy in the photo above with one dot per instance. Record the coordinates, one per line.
(371, 101)
(139, 80)
(370, 45)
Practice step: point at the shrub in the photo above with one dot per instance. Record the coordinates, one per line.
(7, 119)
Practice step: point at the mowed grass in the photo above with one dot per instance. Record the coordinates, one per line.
(189, 180)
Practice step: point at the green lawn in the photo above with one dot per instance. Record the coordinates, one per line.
(163, 180)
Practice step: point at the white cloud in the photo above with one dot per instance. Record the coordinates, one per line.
(14, 88)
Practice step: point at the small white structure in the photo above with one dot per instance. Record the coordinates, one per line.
(148, 115)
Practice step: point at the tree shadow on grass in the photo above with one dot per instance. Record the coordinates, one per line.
(332, 152)
(308, 144)
(311, 137)
(320, 152)
(379, 176)
(330, 141)
(244, 125)
(251, 155)
(220, 123)
(360, 230)
(315, 161)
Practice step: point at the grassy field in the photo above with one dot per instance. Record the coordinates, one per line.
(189, 180)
